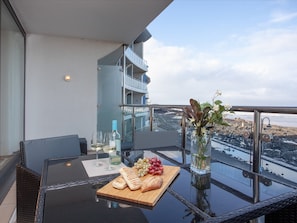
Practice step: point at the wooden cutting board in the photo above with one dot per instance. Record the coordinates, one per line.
(149, 198)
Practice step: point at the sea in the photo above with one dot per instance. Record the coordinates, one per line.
(285, 120)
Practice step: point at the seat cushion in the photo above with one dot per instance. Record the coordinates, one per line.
(150, 139)
(37, 150)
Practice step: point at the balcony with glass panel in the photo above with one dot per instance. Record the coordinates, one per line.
(136, 85)
(258, 139)
(140, 64)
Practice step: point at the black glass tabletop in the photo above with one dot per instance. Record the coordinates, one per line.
(226, 194)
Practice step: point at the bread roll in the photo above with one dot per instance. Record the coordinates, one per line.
(131, 178)
(119, 183)
(151, 183)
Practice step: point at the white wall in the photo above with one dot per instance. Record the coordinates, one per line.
(55, 107)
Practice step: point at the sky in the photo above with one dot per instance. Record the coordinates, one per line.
(247, 49)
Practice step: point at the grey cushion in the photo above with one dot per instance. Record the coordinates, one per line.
(150, 139)
(36, 151)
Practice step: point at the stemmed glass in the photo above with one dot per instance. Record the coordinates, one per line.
(97, 144)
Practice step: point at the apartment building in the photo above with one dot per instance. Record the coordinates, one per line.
(122, 79)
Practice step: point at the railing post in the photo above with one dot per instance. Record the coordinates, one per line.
(256, 189)
(151, 118)
(256, 143)
(183, 139)
(123, 123)
(183, 125)
(124, 75)
(133, 123)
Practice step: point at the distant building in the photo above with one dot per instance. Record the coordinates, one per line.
(122, 79)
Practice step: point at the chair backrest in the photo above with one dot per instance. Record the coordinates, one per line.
(150, 139)
(34, 152)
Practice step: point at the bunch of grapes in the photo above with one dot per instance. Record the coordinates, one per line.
(156, 167)
(149, 165)
(142, 166)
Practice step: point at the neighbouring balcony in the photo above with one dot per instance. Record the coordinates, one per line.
(263, 139)
(135, 85)
(136, 60)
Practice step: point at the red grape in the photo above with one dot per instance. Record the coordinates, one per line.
(156, 167)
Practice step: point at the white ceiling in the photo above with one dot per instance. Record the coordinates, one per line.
(111, 20)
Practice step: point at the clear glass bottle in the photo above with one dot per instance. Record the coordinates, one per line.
(116, 136)
(115, 157)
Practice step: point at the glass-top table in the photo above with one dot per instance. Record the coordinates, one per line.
(228, 194)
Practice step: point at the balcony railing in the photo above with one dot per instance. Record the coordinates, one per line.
(135, 85)
(249, 138)
(136, 60)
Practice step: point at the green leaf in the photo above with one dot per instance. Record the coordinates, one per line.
(218, 102)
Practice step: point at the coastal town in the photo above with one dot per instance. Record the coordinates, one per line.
(278, 142)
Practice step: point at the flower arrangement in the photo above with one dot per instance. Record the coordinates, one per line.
(206, 115)
(203, 118)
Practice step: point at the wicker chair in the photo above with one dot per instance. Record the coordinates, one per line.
(28, 171)
(287, 214)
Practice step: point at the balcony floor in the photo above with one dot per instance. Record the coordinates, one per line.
(8, 188)
(8, 206)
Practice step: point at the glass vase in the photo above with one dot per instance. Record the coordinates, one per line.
(201, 154)
(201, 182)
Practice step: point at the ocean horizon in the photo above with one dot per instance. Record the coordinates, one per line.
(284, 120)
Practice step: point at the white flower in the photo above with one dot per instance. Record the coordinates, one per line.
(216, 108)
(227, 107)
(218, 93)
(203, 131)
(192, 120)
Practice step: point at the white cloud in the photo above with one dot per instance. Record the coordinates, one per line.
(279, 17)
(258, 69)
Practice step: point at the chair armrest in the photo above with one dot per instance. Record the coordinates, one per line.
(27, 188)
(83, 146)
(288, 214)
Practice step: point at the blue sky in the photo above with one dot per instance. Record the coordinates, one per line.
(245, 48)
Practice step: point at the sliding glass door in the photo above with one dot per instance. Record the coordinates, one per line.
(12, 63)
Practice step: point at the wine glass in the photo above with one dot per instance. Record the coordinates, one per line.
(97, 145)
(106, 141)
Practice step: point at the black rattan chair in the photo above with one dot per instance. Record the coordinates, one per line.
(28, 171)
(288, 214)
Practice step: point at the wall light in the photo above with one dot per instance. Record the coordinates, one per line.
(67, 77)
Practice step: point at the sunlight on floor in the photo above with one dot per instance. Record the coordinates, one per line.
(7, 207)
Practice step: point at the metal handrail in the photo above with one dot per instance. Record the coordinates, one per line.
(266, 109)
(261, 109)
